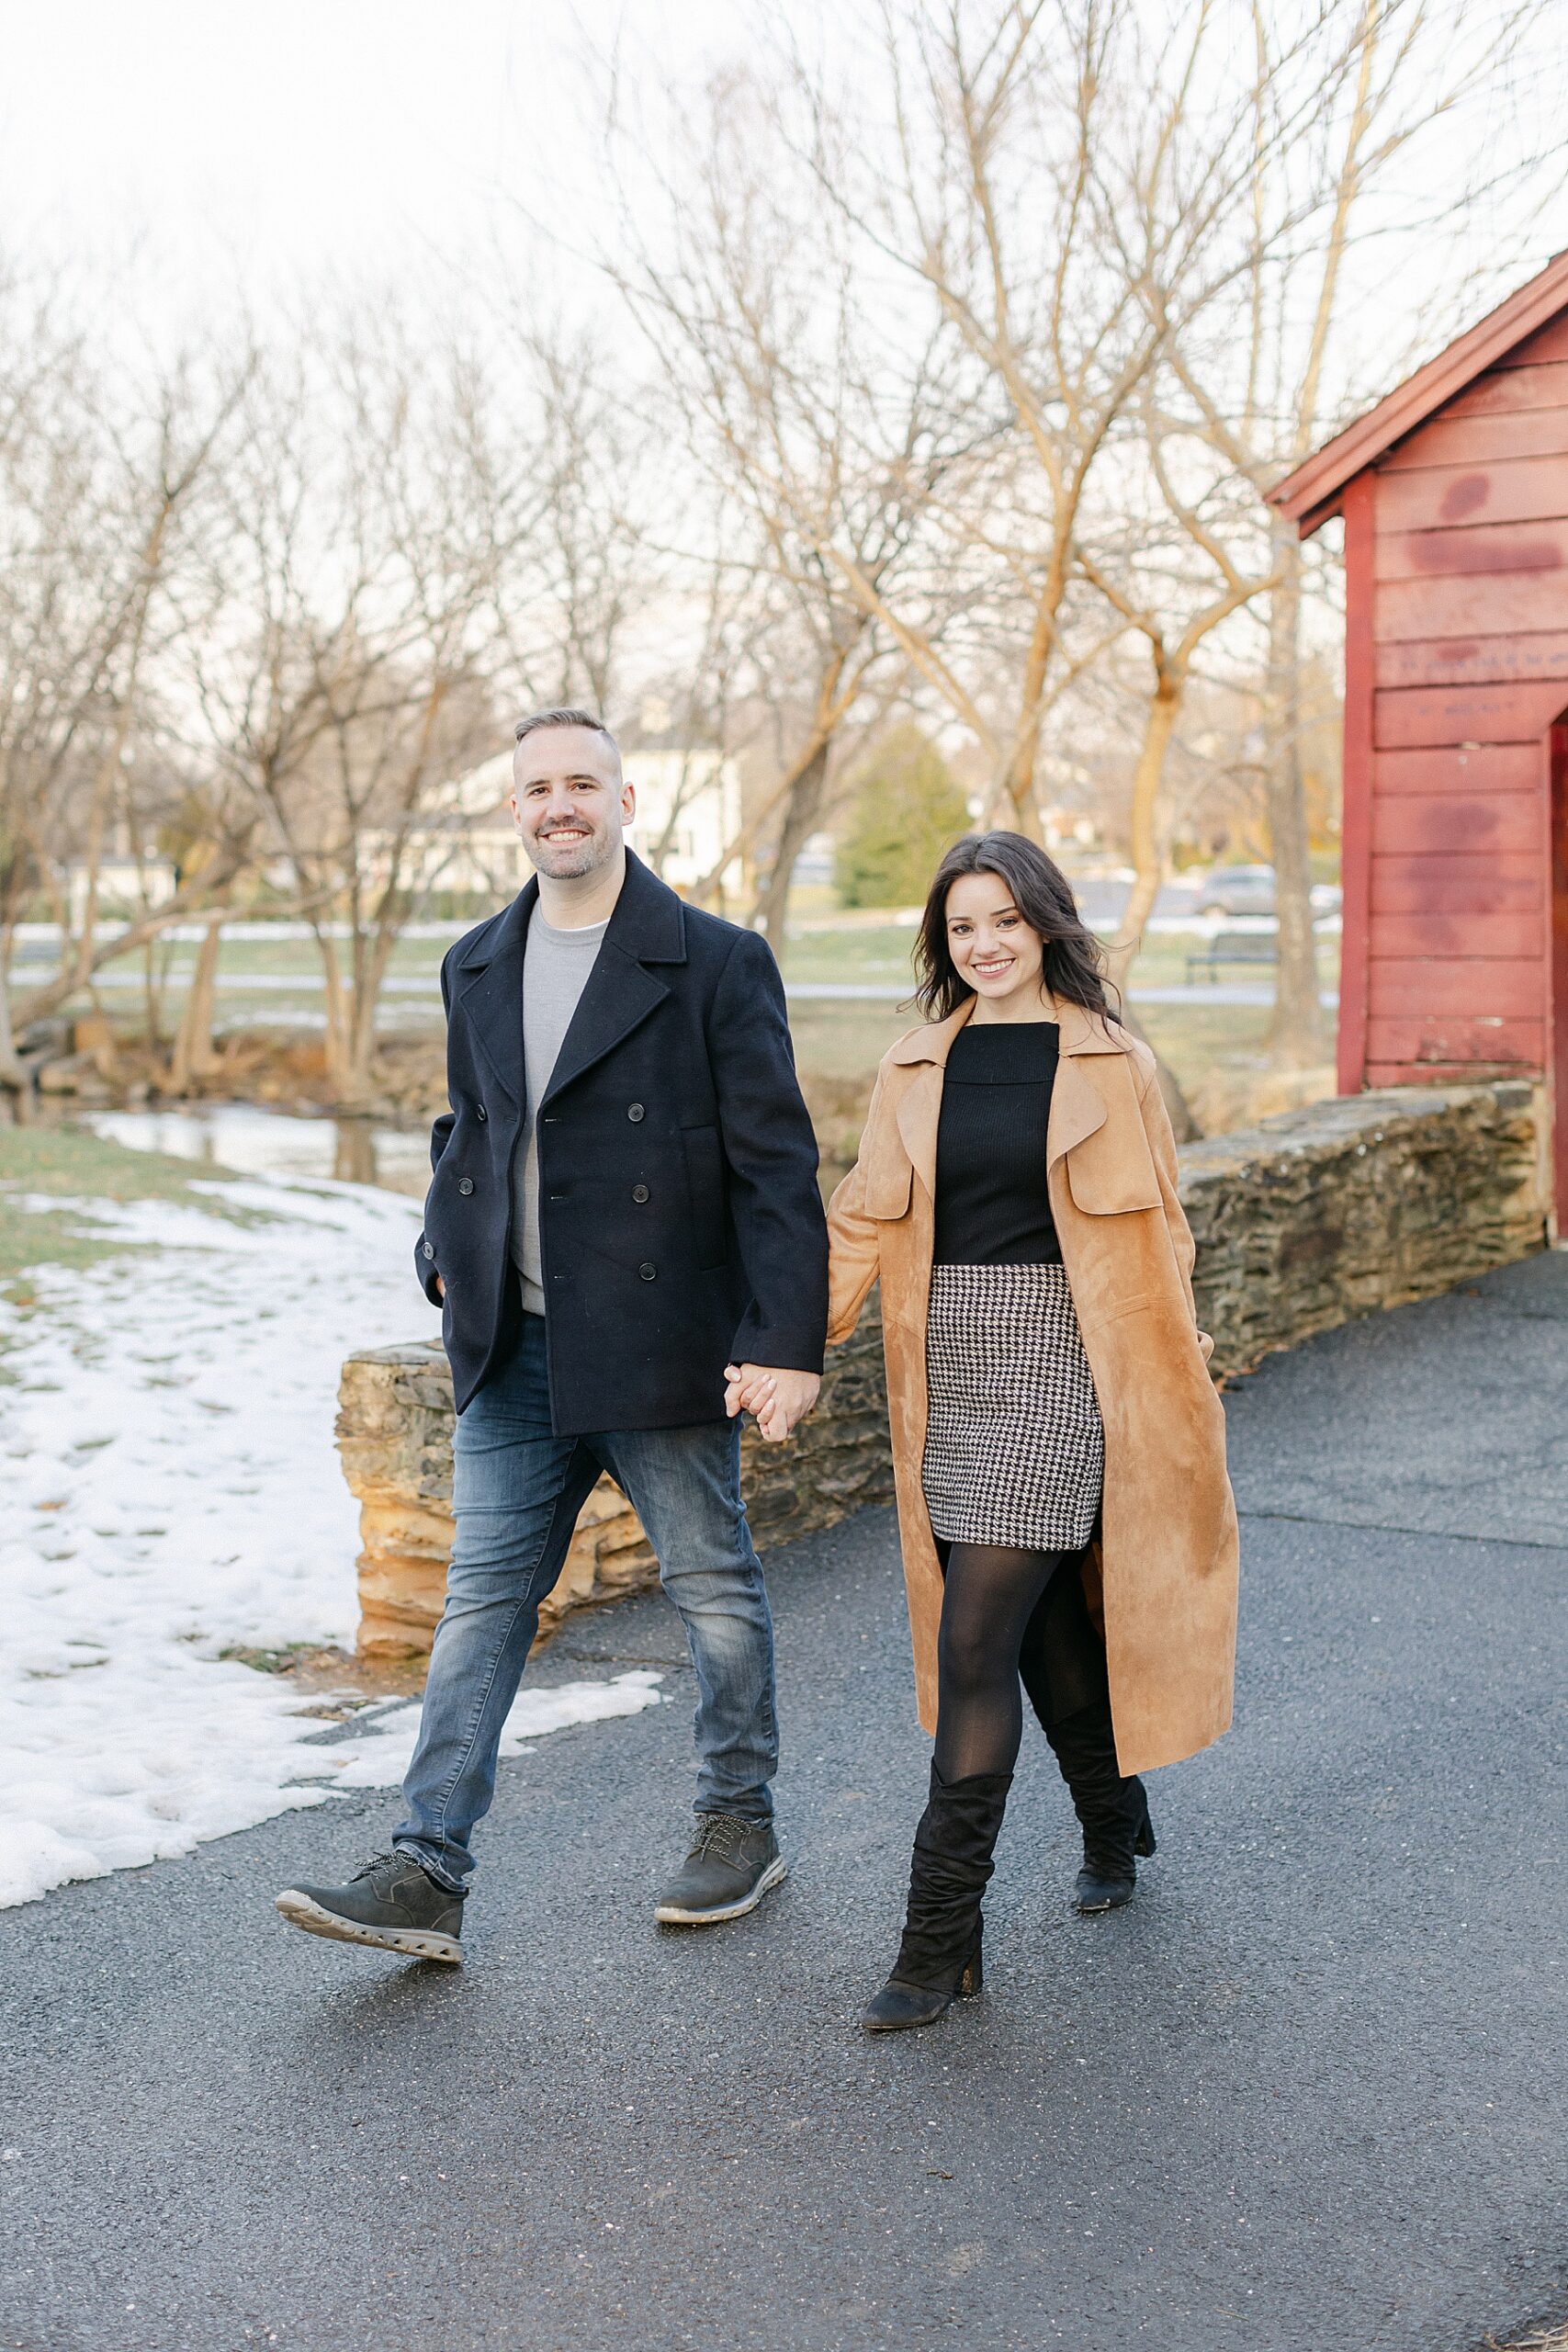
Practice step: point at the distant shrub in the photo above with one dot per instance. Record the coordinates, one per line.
(906, 809)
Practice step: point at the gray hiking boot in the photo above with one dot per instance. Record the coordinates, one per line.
(732, 1864)
(390, 1903)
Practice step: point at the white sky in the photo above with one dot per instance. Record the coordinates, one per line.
(230, 142)
(221, 146)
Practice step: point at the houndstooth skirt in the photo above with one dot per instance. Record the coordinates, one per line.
(1015, 1451)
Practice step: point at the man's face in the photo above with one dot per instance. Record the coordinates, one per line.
(570, 800)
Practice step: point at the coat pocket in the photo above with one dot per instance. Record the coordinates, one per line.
(889, 1179)
(1112, 1171)
(704, 1183)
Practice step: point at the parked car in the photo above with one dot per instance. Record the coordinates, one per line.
(1238, 890)
(1249, 890)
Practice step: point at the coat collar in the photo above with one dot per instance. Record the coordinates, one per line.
(1077, 1108)
(647, 926)
(1081, 1033)
(648, 923)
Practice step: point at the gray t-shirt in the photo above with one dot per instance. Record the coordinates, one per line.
(555, 964)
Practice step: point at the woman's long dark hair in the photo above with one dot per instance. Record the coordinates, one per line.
(1075, 961)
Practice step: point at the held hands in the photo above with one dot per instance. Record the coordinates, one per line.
(776, 1400)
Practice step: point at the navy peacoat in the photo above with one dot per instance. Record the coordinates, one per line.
(681, 1227)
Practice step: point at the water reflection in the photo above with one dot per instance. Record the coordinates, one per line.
(254, 1142)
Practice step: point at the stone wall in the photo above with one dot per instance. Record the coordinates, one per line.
(1301, 1222)
(394, 1430)
(1365, 1201)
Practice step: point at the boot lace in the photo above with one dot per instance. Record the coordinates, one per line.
(377, 1863)
(723, 1834)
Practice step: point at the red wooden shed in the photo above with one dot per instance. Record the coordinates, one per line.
(1454, 491)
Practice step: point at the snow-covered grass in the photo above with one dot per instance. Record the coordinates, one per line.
(171, 1490)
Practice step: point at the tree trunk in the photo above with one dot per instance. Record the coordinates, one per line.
(152, 995)
(1148, 863)
(1014, 809)
(1012, 801)
(1296, 1034)
(13, 1078)
(1184, 1127)
(194, 1056)
(802, 809)
(1148, 871)
(370, 966)
(338, 1041)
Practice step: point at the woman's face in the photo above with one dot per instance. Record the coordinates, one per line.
(995, 950)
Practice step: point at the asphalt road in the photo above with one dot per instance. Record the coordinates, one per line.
(1306, 2093)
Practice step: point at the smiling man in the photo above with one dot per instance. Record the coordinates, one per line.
(622, 1230)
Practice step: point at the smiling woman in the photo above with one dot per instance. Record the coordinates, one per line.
(1000, 922)
(1059, 1446)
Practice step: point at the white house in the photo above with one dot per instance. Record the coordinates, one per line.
(688, 812)
(126, 886)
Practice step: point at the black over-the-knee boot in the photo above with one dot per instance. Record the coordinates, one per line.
(939, 1958)
(1112, 1812)
(1063, 1665)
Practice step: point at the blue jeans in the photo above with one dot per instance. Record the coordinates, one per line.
(516, 1491)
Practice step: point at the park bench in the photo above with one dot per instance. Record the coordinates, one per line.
(1233, 947)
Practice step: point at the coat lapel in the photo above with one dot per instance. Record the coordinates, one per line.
(1078, 1110)
(918, 1115)
(647, 927)
(1078, 1107)
(492, 992)
(619, 995)
(919, 1110)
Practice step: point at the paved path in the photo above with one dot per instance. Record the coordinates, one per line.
(1307, 2095)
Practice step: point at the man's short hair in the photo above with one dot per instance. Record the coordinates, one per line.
(563, 716)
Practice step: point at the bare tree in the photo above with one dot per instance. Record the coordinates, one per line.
(1329, 101)
(828, 445)
(991, 217)
(102, 493)
(344, 685)
(561, 445)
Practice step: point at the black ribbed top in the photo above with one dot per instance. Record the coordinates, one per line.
(991, 1204)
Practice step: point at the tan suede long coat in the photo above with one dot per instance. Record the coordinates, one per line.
(1167, 1565)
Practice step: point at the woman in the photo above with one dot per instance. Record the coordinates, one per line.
(1059, 1449)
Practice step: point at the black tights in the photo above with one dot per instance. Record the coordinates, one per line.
(1004, 1611)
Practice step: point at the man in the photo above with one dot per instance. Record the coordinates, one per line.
(623, 1229)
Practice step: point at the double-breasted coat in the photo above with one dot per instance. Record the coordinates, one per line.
(680, 1220)
(1166, 1559)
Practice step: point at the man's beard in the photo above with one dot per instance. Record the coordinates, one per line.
(564, 865)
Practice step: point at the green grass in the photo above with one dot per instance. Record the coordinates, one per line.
(856, 952)
(1192, 1040)
(70, 1166)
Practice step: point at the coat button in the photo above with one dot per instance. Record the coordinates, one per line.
(639, 1193)
(465, 1184)
(635, 1111)
(481, 1115)
(648, 1271)
(428, 1247)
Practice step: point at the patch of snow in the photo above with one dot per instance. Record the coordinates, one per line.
(381, 1758)
(172, 1490)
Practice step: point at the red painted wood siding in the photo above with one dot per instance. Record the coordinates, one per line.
(1510, 548)
(1458, 609)
(1439, 498)
(1548, 344)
